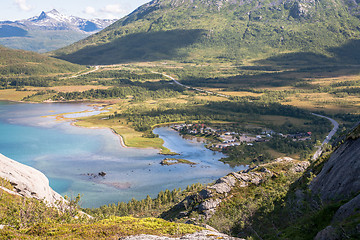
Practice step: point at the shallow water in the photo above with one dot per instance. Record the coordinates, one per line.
(67, 154)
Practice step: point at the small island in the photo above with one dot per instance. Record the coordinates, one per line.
(173, 161)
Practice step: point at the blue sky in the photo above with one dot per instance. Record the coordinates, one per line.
(22, 9)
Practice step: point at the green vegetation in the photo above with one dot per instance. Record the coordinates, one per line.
(206, 31)
(114, 227)
(271, 65)
(147, 207)
(28, 218)
(258, 211)
(173, 161)
(144, 119)
(23, 63)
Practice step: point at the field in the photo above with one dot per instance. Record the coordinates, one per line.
(13, 95)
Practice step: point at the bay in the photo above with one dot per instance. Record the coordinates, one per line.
(71, 156)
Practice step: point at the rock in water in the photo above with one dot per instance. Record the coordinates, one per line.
(28, 181)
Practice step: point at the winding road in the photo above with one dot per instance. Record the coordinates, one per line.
(328, 137)
(81, 74)
(188, 87)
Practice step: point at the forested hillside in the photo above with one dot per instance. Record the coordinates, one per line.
(25, 63)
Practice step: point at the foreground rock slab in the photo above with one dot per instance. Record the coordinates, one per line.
(27, 181)
(203, 235)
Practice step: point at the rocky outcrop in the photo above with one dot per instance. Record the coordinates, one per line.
(212, 196)
(27, 181)
(340, 178)
(208, 199)
(224, 184)
(203, 235)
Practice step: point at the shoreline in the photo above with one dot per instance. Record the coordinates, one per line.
(122, 142)
(59, 117)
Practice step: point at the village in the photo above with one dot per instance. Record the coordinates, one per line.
(224, 138)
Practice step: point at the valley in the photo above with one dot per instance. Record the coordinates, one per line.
(185, 115)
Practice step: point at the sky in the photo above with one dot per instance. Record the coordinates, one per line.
(23, 9)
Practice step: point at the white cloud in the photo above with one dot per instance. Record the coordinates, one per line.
(22, 4)
(113, 8)
(110, 11)
(90, 10)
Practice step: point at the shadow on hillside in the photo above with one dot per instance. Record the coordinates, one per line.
(345, 54)
(150, 46)
(291, 69)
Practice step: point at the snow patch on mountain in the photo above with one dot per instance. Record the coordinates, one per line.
(54, 20)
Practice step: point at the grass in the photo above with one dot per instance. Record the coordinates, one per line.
(280, 120)
(13, 95)
(26, 218)
(240, 93)
(325, 102)
(130, 137)
(112, 228)
(72, 88)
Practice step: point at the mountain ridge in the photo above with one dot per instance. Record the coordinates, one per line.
(48, 31)
(54, 18)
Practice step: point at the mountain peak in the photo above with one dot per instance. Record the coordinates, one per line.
(53, 14)
(54, 11)
(42, 15)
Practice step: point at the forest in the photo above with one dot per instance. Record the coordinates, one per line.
(148, 207)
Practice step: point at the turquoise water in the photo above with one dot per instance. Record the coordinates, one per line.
(67, 154)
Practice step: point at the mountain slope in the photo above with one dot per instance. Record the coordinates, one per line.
(20, 62)
(207, 30)
(48, 31)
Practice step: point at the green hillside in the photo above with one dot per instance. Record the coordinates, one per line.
(199, 30)
(25, 63)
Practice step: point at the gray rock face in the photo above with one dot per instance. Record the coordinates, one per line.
(347, 210)
(27, 181)
(205, 193)
(340, 178)
(300, 167)
(209, 207)
(328, 233)
(203, 235)
(224, 184)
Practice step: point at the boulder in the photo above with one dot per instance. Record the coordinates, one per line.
(209, 204)
(256, 178)
(208, 207)
(300, 167)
